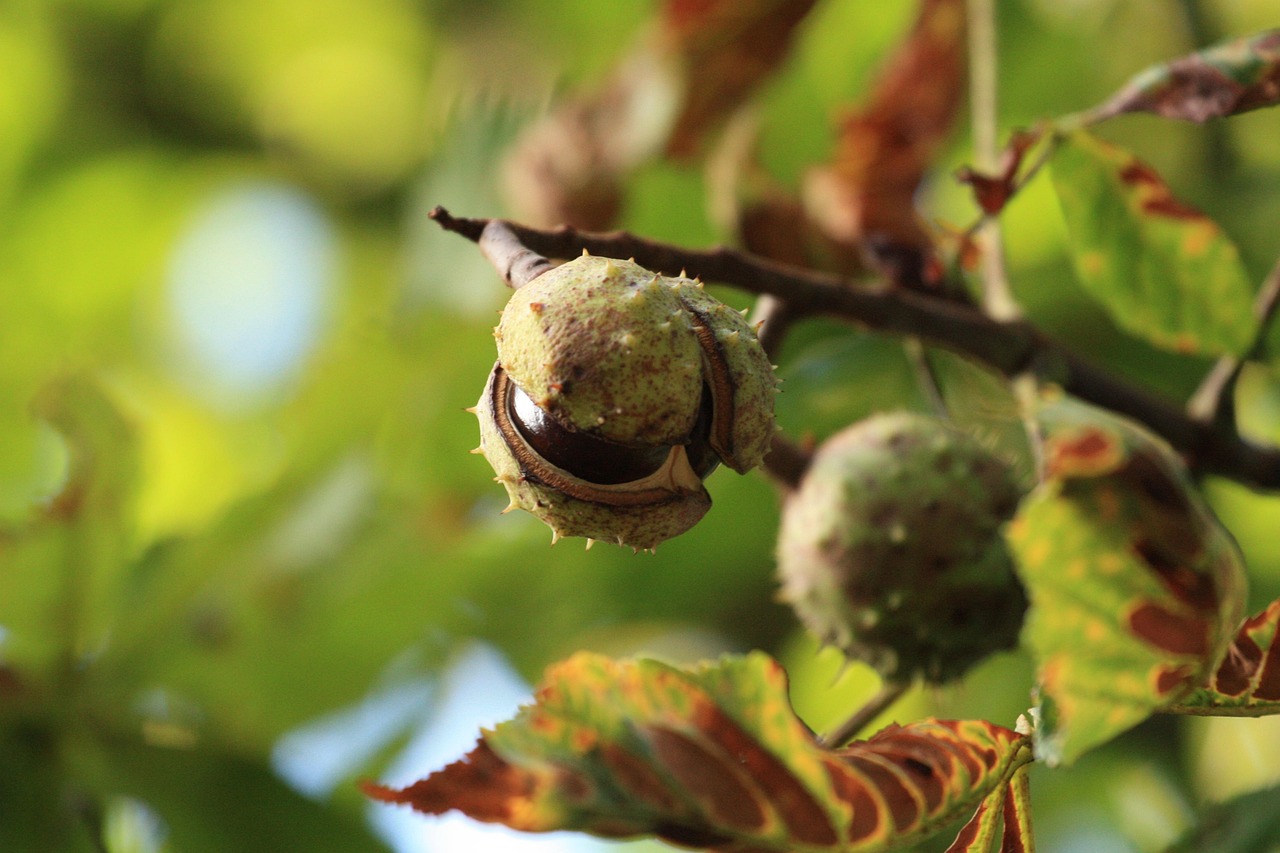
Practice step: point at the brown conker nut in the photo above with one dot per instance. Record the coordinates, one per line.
(892, 550)
(615, 393)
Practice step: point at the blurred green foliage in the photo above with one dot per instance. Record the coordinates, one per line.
(234, 488)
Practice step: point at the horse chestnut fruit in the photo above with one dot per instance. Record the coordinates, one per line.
(616, 392)
(892, 550)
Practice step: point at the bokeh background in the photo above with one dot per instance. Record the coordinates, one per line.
(245, 557)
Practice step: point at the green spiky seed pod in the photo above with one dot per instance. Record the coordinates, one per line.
(615, 393)
(891, 548)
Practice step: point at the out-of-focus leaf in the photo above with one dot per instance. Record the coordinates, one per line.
(1223, 80)
(885, 148)
(1161, 268)
(38, 807)
(1247, 824)
(59, 575)
(1247, 682)
(1135, 587)
(712, 757)
(677, 86)
(213, 802)
(764, 216)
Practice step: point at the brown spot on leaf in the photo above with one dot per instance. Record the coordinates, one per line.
(805, 819)
(1158, 201)
(1175, 633)
(969, 832)
(965, 755)
(1011, 840)
(574, 787)
(849, 788)
(1187, 585)
(712, 779)
(1138, 173)
(1172, 678)
(900, 798)
(1089, 451)
(1168, 206)
(929, 761)
(639, 780)
(1238, 668)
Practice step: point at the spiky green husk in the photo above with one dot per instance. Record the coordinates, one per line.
(891, 549)
(750, 372)
(607, 348)
(641, 527)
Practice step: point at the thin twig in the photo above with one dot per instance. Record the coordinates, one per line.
(997, 296)
(786, 462)
(1009, 347)
(1214, 400)
(517, 264)
(860, 718)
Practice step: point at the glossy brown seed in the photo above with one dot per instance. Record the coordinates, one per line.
(584, 456)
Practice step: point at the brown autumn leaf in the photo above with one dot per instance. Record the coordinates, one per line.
(713, 757)
(698, 63)
(1225, 79)
(723, 49)
(1247, 682)
(992, 192)
(885, 148)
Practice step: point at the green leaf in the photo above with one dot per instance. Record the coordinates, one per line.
(713, 757)
(1223, 80)
(1135, 587)
(1247, 682)
(1246, 824)
(211, 802)
(61, 571)
(1162, 269)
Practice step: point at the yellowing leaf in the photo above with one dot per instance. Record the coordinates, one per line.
(1162, 269)
(714, 758)
(1135, 587)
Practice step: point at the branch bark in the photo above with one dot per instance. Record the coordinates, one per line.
(1009, 347)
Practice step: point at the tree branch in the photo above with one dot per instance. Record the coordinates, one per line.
(517, 264)
(861, 718)
(1009, 347)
